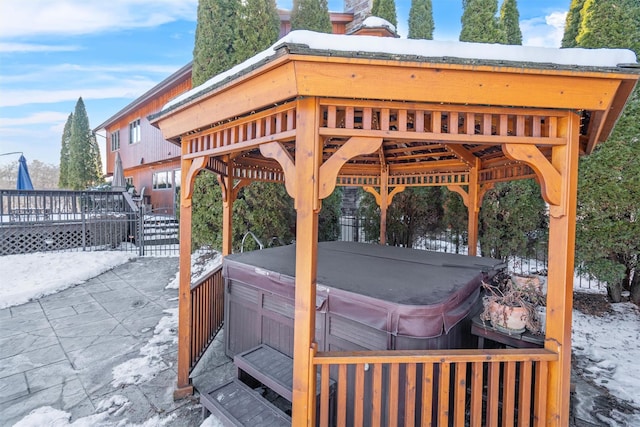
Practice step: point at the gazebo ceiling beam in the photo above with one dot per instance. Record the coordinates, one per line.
(465, 155)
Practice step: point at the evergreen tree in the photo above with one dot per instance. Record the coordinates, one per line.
(329, 217)
(456, 217)
(511, 219)
(206, 220)
(213, 50)
(63, 181)
(421, 24)
(385, 9)
(572, 25)
(311, 15)
(607, 243)
(96, 158)
(84, 167)
(479, 22)
(611, 24)
(412, 214)
(213, 53)
(258, 28)
(510, 22)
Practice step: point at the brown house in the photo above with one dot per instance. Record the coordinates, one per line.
(152, 164)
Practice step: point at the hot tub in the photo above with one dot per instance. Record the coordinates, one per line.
(369, 297)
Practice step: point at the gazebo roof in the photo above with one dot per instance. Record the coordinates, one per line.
(315, 111)
(440, 107)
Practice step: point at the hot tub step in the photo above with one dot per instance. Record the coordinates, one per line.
(269, 367)
(236, 404)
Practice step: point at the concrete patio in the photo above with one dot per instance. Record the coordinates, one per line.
(60, 350)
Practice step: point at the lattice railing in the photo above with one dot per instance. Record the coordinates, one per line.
(444, 123)
(277, 123)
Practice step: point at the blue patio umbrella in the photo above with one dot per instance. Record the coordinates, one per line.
(24, 180)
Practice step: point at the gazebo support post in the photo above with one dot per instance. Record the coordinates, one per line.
(562, 230)
(384, 205)
(307, 203)
(558, 182)
(474, 209)
(384, 199)
(229, 195)
(472, 199)
(184, 387)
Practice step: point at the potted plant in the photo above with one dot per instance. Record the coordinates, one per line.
(511, 303)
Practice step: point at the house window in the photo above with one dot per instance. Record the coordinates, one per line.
(176, 179)
(162, 180)
(129, 180)
(134, 131)
(115, 140)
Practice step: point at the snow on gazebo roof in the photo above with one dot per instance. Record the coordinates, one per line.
(309, 42)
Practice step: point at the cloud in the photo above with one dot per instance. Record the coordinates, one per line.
(42, 117)
(107, 73)
(20, 18)
(544, 31)
(32, 47)
(126, 89)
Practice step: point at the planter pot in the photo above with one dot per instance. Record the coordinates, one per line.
(542, 318)
(508, 319)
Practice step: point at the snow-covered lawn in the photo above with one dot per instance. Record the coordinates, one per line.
(607, 347)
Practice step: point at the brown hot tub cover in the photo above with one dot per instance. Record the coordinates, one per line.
(403, 292)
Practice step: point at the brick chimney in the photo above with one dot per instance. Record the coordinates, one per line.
(360, 9)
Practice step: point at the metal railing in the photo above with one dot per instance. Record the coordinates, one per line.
(39, 221)
(54, 220)
(534, 261)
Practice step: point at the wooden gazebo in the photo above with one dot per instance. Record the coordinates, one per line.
(318, 111)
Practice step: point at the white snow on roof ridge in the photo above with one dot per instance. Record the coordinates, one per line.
(428, 49)
(376, 22)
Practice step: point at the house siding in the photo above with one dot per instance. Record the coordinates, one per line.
(152, 154)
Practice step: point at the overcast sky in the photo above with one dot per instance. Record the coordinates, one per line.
(111, 52)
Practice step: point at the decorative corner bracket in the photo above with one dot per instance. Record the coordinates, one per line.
(196, 165)
(550, 178)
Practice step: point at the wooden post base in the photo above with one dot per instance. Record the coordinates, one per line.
(182, 392)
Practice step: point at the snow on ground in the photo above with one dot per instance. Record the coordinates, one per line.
(606, 350)
(149, 364)
(31, 276)
(48, 416)
(202, 263)
(607, 347)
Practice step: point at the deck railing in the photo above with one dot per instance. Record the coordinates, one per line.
(207, 313)
(434, 388)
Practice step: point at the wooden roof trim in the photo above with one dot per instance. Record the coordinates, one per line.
(452, 63)
(615, 109)
(228, 83)
(290, 52)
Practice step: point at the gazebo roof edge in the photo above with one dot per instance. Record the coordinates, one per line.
(424, 51)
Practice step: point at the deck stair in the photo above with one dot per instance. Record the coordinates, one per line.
(160, 230)
(236, 404)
